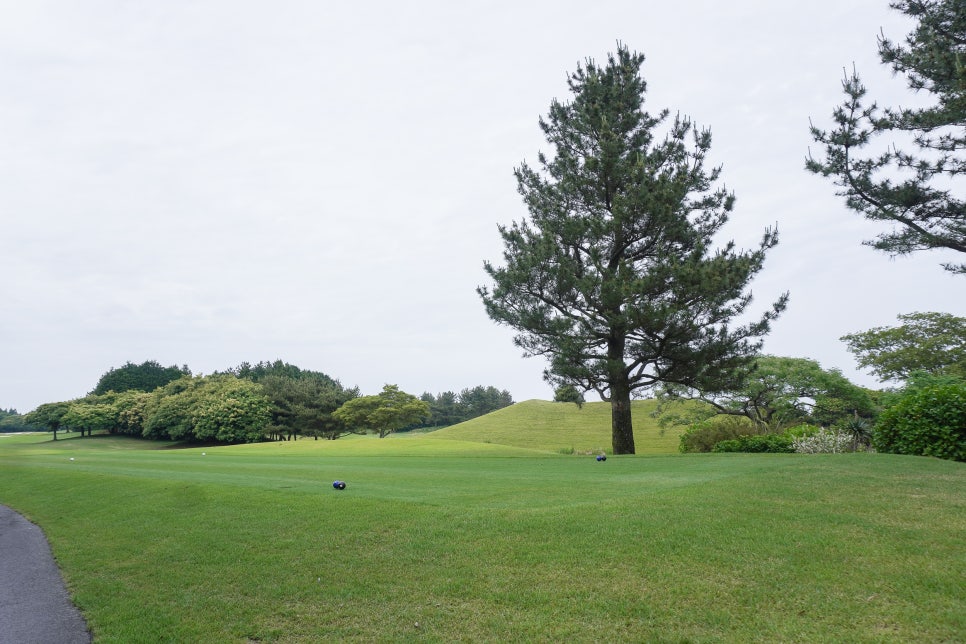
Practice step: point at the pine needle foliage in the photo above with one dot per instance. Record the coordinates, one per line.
(615, 277)
(912, 181)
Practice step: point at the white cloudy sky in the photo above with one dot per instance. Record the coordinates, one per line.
(209, 182)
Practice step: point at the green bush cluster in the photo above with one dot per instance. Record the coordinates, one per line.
(703, 436)
(760, 443)
(737, 434)
(926, 421)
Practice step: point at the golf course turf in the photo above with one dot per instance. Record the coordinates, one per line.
(436, 538)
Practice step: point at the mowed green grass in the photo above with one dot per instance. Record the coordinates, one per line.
(446, 540)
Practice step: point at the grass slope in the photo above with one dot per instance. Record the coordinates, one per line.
(446, 540)
(562, 427)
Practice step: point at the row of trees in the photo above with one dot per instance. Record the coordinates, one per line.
(619, 276)
(11, 421)
(248, 403)
(219, 407)
(448, 408)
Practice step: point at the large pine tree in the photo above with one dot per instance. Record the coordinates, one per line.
(614, 277)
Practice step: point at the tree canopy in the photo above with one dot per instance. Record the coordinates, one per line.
(302, 400)
(304, 406)
(219, 407)
(777, 392)
(258, 371)
(907, 182)
(146, 376)
(615, 277)
(933, 343)
(48, 415)
(91, 414)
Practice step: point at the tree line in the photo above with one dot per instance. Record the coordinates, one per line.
(448, 408)
(243, 404)
(11, 421)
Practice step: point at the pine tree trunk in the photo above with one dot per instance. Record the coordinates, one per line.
(622, 431)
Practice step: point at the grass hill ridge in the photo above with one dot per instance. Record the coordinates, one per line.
(562, 428)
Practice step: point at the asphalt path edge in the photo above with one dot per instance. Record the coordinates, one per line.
(35, 607)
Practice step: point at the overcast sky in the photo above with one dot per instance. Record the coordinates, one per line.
(212, 182)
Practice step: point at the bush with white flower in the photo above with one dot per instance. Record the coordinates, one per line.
(824, 441)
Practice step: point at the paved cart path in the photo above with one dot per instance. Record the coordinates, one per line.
(34, 605)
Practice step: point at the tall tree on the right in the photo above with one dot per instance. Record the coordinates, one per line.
(911, 183)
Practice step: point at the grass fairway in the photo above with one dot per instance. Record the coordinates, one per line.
(452, 540)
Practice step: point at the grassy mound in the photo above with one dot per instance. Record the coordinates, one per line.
(563, 428)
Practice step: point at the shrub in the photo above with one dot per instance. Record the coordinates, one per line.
(926, 421)
(771, 443)
(703, 436)
(801, 431)
(824, 441)
(859, 431)
(569, 393)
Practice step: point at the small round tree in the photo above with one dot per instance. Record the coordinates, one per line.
(384, 413)
(569, 394)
